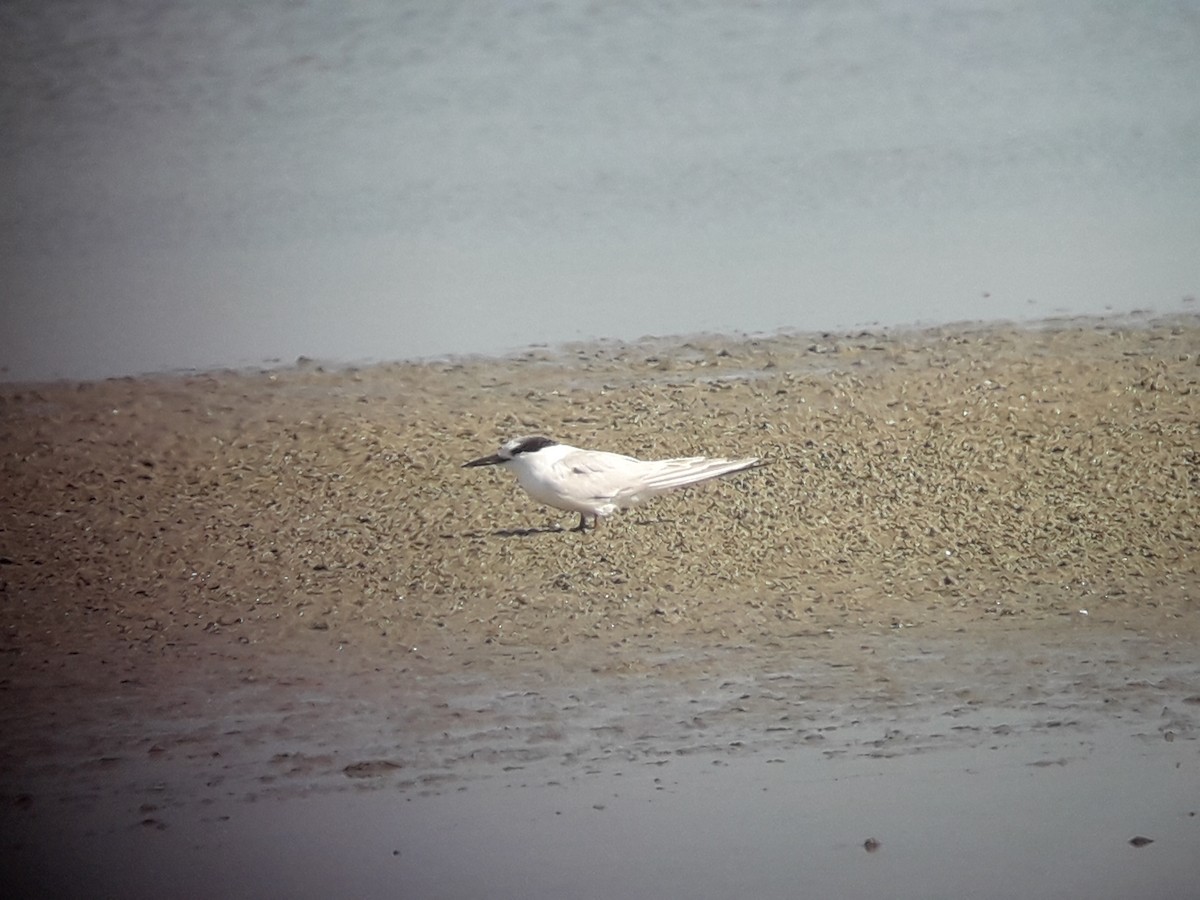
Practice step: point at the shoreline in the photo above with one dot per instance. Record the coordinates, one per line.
(1059, 462)
(563, 351)
(909, 474)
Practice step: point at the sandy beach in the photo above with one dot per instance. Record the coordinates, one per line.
(234, 589)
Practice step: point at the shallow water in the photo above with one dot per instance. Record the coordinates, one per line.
(1052, 820)
(201, 184)
(1010, 764)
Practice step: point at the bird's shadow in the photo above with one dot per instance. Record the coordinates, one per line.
(529, 532)
(551, 529)
(659, 521)
(508, 532)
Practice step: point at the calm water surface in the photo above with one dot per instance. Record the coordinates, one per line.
(193, 184)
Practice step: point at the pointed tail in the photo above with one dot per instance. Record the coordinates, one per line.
(676, 473)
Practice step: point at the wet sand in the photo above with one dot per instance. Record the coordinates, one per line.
(238, 602)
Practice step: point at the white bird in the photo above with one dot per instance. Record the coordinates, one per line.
(595, 483)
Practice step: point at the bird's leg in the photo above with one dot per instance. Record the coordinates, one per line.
(582, 526)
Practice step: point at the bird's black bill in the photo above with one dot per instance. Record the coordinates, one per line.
(494, 460)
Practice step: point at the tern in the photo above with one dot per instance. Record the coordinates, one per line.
(595, 483)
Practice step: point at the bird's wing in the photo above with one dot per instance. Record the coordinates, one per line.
(625, 481)
(597, 475)
(675, 473)
(658, 476)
